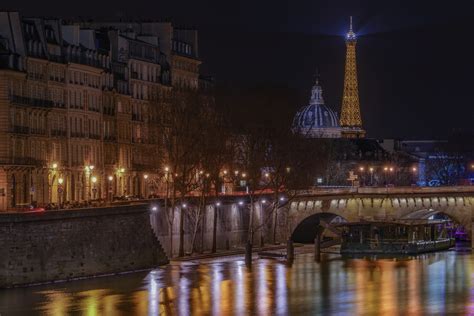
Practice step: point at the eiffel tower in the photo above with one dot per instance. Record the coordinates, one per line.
(351, 121)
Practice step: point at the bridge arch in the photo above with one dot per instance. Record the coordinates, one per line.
(307, 229)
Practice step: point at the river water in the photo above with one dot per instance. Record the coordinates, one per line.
(437, 283)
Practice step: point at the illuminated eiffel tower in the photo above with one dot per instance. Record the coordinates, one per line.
(351, 121)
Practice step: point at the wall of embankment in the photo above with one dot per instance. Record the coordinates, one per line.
(68, 244)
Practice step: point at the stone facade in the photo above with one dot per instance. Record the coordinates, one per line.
(62, 245)
(82, 101)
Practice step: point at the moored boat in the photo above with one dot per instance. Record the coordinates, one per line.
(409, 236)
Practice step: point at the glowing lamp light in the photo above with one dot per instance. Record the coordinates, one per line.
(385, 168)
(264, 201)
(154, 208)
(224, 172)
(167, 169)
(54, 165)
(122, 169)
(218, 204)
(267, 175)
(110, 178)
(391, 168)
(236, 172)
(282, 198)
(244, 175)
(94, 179)
(60, 180)
(241, 203)
(183, 205)
(145, 176)
(414, 169)
(361, 168)
(371, 169)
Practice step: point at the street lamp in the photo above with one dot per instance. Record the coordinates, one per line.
(145, 176)
(262, 240)
(362, 177)
(371, 169)
(110, 178)
(60, 191)
(51, 176)
(94, 189)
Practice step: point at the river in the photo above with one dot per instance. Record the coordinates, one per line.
(436, 283)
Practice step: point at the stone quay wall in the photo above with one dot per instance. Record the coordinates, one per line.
(63, 245)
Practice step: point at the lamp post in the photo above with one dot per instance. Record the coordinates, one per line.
(51, 175)
(214, 228)
(145, 177)
(88, 169)
(181, 230)
(371, 170)
(262, 240)
(362, 178)
(60, 191)
(94, 189)
(110, 190)
(391, 169)
(414, 170)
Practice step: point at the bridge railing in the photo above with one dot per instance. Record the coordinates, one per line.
(387, 190)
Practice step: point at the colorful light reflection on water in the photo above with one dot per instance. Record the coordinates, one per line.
(439, 283)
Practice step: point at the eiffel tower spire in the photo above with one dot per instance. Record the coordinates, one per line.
(351, 121)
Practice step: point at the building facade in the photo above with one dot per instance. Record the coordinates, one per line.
(81, 105)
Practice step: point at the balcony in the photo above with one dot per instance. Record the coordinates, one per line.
(17, 129)
(27, 101)
(58, 133)
(77, 135)
(110, 138)
(94, 136)
(142, 167)
(22, 161)
(38, 131)
(59, 105)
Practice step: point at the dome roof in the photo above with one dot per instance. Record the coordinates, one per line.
(316, 119)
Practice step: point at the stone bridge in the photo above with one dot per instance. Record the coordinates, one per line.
(304, 211)
(368, 203)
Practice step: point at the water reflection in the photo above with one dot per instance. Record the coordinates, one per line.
(439, 283)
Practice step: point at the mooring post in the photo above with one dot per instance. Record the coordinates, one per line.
(317, 248)
(290, 250)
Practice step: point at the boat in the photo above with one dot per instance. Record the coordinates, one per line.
(409, 236)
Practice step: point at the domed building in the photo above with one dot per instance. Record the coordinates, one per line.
(316, 120)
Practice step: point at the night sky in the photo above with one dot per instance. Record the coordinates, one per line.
(415, 60)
